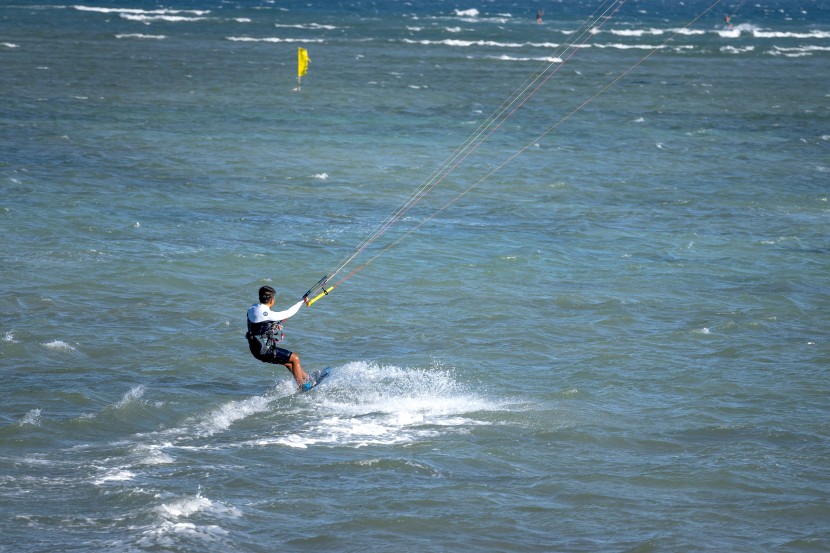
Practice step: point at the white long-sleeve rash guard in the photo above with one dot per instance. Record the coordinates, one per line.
(260, 313)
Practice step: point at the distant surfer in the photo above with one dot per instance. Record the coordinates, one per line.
(727, 21)
(539, 14)
(265, 331)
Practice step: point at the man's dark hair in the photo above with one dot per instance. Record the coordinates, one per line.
(266, 294)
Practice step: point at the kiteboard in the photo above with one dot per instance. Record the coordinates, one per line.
(316, 378)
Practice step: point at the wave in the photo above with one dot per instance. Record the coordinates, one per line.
(32, 418)
(133, 395)
(274, 39)
(59, 345)
(736, 50)
(464, 43)
(143, 36)
(798, 51)
(620, 46)
(172, 524)
(636, 32)
(307, 26)
(779, 34)
(365, 404)
(505, 57)
(137, 11)
(151, 18)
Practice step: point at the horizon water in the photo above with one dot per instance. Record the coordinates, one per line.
(616, 342)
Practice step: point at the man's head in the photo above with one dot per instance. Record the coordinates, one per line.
(266, 294)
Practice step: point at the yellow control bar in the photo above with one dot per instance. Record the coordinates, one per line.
(325, 292)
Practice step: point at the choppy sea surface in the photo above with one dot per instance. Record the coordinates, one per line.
(604, 329)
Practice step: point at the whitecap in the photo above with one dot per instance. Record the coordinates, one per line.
(115, 475)
(273, 39)
(154, 18)
(140, 11)
(184, 507)
(729, 33)
(153, 454)
(10, 45)
(59, 345)
(141, 36)
(308, 26)
(619, 46)
(321, 176)
(131, 396)
(163, 535)
(472, 12)
(464, 43)
(778, 34)
(637, 32)
(31, 418)
(505, 57)
(369, 405)
(737, 50)
(222, 418)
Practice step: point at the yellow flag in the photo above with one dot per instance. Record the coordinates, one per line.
(302, 62)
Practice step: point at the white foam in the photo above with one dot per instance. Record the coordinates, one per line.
(164, 534)
(134, 394)
(138, 11)
(737, 50)
(308, 26)
(152, 454)
(619, 46)
(779, 34)
(115, 475)
(797, 52)
(142, 36)
(472, 12)
(321, 176)
(505, 57)
(637, 32)
(31, 418)
(464, 43)
(365, 404)
(184, 507)
(59, 345)
(153, 18)
(10, 45)
(273, 39)
(222, 418)
(9, 337)
(729, 33)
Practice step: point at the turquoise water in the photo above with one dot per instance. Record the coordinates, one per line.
(616, 342)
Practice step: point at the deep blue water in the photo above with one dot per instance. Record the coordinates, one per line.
(603, 327)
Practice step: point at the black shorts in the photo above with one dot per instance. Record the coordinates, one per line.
(275, 355)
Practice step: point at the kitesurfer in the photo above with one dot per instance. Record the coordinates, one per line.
(265, 331)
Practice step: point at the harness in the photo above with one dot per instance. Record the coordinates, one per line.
(269, 334)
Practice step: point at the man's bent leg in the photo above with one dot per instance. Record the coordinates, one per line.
(293, 365)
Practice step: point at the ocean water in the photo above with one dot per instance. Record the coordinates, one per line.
(603, 328)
